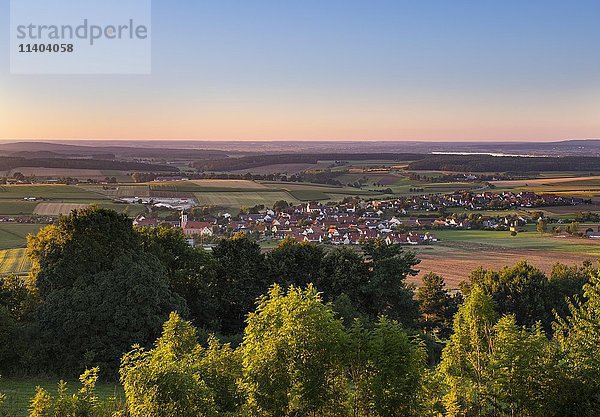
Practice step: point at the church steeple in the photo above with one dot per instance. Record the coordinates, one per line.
(184, 219)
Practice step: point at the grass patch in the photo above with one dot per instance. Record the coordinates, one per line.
(19, 391)
(15, 235)
(309, 195)
(482, 239)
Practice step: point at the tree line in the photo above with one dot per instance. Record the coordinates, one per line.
(334, 332)
(254, 161)
(489, 163)
(8, 163)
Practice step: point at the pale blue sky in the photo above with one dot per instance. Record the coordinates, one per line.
(329, 69)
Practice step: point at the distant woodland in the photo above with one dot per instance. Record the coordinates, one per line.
(488, 163)
(8, 163)
(232, 164)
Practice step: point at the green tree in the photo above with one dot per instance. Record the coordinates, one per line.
(541, 226)
(579, 337)
(521, 370)
(520, 290)
(389, 294)
(566, 282)
(191, 272)
(397, 366)
(466, 357)
(293, 263)
(280, 205)
(291, 356)
(100, 291)
(166, 381)
(436, 305)
(242, 275)
(344, 271)
(9, 341)
(83, 403)
(18, 297)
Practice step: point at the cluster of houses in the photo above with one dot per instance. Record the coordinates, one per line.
(356, 221)
(310, 222)
(476, 201)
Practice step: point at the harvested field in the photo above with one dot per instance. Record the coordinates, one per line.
(243, 184)
(133, 191)
(56, 209)
(14, 261)
(549, 181)
(455, 266)
(242, 199)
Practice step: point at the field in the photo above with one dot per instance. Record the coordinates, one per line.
(14, 261)
(56, 209)
(52, 200)
(461, 251)
(242, 199)
(289, 169)
(15, 235)
(81, 174)
(19, 391)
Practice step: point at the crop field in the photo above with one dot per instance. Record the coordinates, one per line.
(207, 185)
(56, 209)
(289, 169)
(14, 261)
(242, 199)
(309, 195)
(461, 251)
(16, 207)
(50, 192)
(19, 392)
(14, 235)
(133, 191)
(564, 180)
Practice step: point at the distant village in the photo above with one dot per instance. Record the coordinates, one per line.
(354, 221)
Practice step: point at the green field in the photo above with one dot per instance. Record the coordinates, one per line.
(19, 392)
(51, 192)
(496, 240)
(15, 235)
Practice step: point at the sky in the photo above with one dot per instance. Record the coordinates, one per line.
(443, 70)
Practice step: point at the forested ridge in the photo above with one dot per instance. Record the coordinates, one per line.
(489, 163)
(8, 163)
(298, 331)
(246, 162)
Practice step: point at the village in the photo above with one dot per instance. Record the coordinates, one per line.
(404, 220)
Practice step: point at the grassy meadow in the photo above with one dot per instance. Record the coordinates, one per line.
(19, 392)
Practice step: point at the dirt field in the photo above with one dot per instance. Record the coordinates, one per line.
(55, 209)
(229, 184)
(455, 266)
(545, 181)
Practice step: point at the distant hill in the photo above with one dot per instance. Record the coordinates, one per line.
(488, 163)
(34, 149)
(246, 162)
(8, 163)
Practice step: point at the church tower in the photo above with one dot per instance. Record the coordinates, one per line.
(184, 219)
